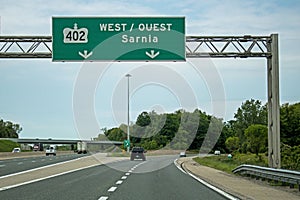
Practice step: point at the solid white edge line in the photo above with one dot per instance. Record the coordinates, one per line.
(225, 194)
(40, 179)
(177, 165)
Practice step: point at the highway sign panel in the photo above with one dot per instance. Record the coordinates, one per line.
(126, 143)
(118, 38)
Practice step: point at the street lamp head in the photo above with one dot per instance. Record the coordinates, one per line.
(128, 75)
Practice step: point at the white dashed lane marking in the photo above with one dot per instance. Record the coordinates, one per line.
(103, 198)
(112, 189)
(119, 182)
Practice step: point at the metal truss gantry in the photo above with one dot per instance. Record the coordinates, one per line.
(246, 46)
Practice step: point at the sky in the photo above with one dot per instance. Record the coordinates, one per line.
(44, 96)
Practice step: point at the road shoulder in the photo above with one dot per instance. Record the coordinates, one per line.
(234, 185)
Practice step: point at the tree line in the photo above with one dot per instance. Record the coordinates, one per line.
(247, 132)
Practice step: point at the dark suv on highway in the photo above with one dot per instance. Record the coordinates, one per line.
(137, 153)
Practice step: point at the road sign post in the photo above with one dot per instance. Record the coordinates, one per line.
(118, 38)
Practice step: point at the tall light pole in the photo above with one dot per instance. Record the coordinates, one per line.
(128, 134)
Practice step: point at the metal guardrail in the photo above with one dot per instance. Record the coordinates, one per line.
(280, 175)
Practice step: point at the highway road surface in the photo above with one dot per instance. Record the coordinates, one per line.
(15, 165)
(155, 178)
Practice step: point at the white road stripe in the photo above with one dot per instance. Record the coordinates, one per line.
(124, 177)
(127, 174)
(31, 170)
(112, 189)
(103, 198)
(119, 182)
(40, 179)
(130, 171)
(225, 194)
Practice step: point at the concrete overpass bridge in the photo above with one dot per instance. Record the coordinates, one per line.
(91, 144)
(60, 141)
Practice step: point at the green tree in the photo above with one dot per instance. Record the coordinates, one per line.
(251, 112)
(203, 124)
(290, 157)
(290, 124)
(171, 125)
(143, 119)
(257, 137)
(115, 134)
(227, 132)
(9, 129)
(232, 143)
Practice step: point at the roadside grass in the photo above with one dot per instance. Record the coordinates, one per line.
(223, 163)
(7, 145)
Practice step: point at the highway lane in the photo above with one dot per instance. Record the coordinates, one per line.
(156, 178)
(16, 165)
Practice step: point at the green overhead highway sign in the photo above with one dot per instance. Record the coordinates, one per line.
(118, 38)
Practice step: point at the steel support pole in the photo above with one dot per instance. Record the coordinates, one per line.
(274, 158)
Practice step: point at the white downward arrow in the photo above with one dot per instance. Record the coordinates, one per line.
(152, 54)
(85, 54)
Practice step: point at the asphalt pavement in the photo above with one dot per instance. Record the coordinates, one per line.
(15, 165)
(99, 177)
(105, 178)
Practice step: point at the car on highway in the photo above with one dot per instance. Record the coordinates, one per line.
(51, 150)
(16, 150)
(182, 154)
(138, 153)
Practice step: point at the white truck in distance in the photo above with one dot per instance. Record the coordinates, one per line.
(81, 147)
(51, 150)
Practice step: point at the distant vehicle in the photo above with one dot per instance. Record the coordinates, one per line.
(217, 152)
(182, 154)
(38, 147)
(51, 150)
(137, 153)
(81, 147)
(16, 150)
